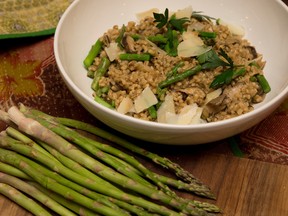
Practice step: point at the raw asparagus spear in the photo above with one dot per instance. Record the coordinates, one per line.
(6, 168)
(94, 185)
(93, 147)
(22, 200)
(35, 129)
(35, 193)
(65, 202)
(20, 136)
(194, 186)
(18, 161)
(162, 161)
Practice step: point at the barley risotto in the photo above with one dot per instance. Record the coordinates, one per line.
(180, 67)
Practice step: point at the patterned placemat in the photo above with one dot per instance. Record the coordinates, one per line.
(26, 18)
(29, 75)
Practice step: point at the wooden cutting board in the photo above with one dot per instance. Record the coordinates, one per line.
(243, 187)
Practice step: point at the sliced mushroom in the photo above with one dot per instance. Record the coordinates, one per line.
(128, 43)
(214, 106)
(253, 51)
(106, 39)
(195, 94)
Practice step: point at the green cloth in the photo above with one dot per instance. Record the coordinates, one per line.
(26, 18)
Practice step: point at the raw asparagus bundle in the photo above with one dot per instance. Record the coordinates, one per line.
(87, 177)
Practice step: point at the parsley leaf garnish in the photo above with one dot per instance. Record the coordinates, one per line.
(211, 60)
(178, 23)
(173, 26)
(226, 77)
(161, 19)
(173, 23)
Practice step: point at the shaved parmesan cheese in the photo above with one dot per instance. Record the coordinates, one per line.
(192, 45)
(145, 100)
(184, 117)
(189, 114)
(191, 35)
(212, 95)
(233, 28)
(186, 12)
(166, 106)
(187, 48)
(148, 13)
(125, 106)
(113, 51)
(197, 117)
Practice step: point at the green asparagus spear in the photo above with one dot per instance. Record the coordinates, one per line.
(98, 197)
(101, 70)
(134, 56)
(22, 137)
(19, 161)
(65, 202)
(94, 51)
(6, 168)
(103, 102)
(81, 170)
(44, 134)
(162, 161)
(34, 193)
(207, 34)
(14, 145)
(28, 151)
(152, 176)
(180, 76)
(93, 146)
(23, 200)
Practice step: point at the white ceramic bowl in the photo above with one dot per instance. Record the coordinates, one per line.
(84, 21)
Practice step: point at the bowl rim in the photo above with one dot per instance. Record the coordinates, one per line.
(274, 102)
